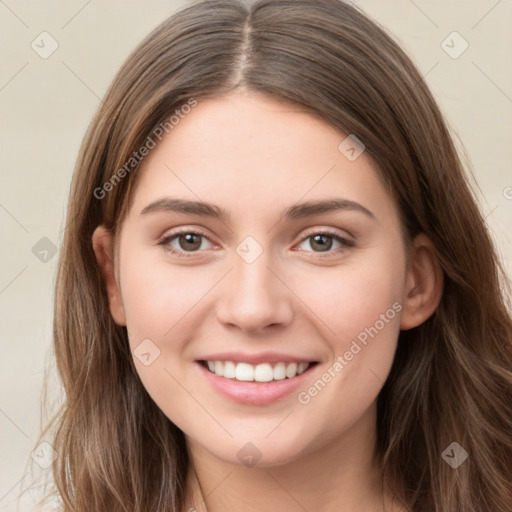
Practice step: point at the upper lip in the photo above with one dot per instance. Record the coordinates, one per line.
(263, 357)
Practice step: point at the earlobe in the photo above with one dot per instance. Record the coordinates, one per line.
(424, 284)
(102, 244)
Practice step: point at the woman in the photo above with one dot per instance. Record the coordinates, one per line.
(249, 371)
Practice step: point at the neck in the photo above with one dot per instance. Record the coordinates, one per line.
(342, 475)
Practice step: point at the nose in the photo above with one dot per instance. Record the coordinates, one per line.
(255, 296)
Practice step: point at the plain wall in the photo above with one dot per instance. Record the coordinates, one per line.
(47, 104)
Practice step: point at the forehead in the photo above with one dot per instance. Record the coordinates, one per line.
(244, 151)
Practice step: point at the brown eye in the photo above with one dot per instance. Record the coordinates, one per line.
(322, 242)
(188, 242)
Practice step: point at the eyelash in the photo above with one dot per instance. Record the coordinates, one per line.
(164, 242)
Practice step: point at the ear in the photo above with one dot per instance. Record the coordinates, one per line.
(102, 243)
(424, 284)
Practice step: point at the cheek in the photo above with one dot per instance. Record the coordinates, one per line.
(156, 297)
(164, 305)
(351, 299)
(360, 318)
(158, 301)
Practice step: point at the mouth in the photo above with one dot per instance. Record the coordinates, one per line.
(258, 384)
(263, 372)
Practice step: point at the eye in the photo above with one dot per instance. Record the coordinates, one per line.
(188, 241)
(322, 240)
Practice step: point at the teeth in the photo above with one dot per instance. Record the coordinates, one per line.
(260, 373)
(229, 370)
(243, 371)
(280, 371)
(302, 367)
(263, 373)
(291, 370)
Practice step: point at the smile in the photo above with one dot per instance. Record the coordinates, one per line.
(256, 384)
(264, 372)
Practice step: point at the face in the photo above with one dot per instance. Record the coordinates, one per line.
(309, 301)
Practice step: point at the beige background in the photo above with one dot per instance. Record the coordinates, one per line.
(46, 105)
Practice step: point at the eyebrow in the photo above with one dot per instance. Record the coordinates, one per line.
(297, 211)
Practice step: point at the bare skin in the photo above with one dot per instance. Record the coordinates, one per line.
(303, 295)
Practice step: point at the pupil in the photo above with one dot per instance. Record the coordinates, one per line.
(323, 246)
(190, 239)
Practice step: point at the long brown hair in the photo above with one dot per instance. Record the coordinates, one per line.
(451, 380)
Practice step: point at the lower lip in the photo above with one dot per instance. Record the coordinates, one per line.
(255, 393)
